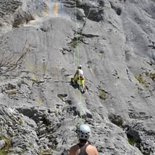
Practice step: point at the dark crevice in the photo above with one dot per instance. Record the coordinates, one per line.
(69, 102)
(132, 134)
(46, 124)
(133, 141)
(92, 12)
(101, 3)
(73, 110)
(152, 44)
(116, 119)
(134, 138)
(76, 41)
(89, 35)
(118, 10)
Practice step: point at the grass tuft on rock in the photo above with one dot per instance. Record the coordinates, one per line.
(103, 95)
(141, 80)
(76, 41)
(116, 119)
(132, 141)
(152, 76)
(46, 152)
(5, 149)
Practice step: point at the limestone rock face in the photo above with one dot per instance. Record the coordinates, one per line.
(41, 44)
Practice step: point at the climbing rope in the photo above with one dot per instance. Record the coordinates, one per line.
(77, 51)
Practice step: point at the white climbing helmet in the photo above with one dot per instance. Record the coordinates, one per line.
(80, 67)
(84, 132)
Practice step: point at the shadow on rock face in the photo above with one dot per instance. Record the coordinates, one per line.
(22, 17)
(116, 119)
(95, 14)
(91, 10)
(118, 10)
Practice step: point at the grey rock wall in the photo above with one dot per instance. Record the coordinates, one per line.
(41, 44)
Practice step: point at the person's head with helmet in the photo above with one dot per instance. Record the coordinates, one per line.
(79, 67)
(84, 146)
(80, 71)
(84, 133)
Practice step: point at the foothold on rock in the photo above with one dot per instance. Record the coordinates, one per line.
(116, 119)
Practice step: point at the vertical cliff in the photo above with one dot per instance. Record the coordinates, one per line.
(41, 44)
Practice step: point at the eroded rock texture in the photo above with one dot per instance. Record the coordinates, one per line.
(41, 44)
